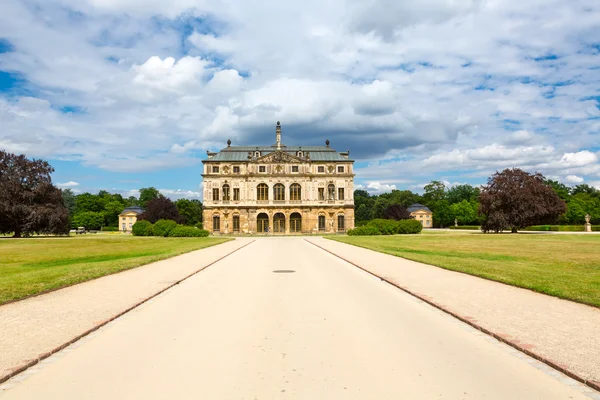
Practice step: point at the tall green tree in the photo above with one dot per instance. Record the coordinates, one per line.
(459, 193)
(88, 220)
(69, 201)
(363, 213)
(112, 209)
(191, 210)
(147, 194)
(465, 212)
(29, 202)
(581, 204)
(89, 202)
(434, 191)
(562, 190)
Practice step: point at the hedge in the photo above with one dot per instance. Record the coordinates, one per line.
(142, 228)
(110, 229)
(187, 231)
(162, 227)
(364, 231)
(466, 227)
(387, 227)
(560, 228)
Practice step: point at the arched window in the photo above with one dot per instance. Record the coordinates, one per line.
(300, 154)
(262, 192)
(226, 196)
(295, 223)
(216, 223)
(295, 192)
(279, 192)
(257, 154)
(331, 192)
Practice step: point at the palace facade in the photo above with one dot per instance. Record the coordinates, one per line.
(278, 189)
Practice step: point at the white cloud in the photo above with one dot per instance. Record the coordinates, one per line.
(574, 179)
(393, 81)
(65, 185)
(376, 187)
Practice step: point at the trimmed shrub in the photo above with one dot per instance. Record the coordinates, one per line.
(142, 228)
(187, 231)
(408, 226)
(466, 227)
(384, 226)
(109, 229)
(364, 231)
(556, 228)
(162, 227)
(199, 225)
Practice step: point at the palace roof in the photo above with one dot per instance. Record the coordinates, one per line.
(417, 207)
(315, 153)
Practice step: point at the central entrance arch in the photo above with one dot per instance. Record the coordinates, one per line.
(279, 223)
(295, 223)
(262, 223)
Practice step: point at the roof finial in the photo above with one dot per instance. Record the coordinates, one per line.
(327, 142)
(278, 135)
(228, 142)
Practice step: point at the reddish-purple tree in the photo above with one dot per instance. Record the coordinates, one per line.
(397, 212)
(29, 203)
(516, 199)
(161, 208)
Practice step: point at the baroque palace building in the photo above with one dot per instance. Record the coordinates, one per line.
(278, 189)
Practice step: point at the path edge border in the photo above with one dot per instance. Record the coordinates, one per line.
(590, 383)
(43, 356)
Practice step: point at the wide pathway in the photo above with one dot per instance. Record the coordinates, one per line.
(34, 327)
(563, 332)
(283, 319)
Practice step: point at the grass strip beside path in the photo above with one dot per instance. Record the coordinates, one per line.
(565, 266)
(37, 265)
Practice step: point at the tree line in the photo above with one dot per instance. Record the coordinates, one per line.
(464, 202)
(30, 203)
(102, 209)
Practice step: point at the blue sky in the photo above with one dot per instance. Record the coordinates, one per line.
(129, 94)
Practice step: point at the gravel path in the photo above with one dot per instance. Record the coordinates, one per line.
(563, 332)
(283, 319)
(31, 328)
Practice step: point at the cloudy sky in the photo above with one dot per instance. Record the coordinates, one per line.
(122, 94)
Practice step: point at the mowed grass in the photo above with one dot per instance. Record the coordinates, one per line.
(566, 266)
(36, 265)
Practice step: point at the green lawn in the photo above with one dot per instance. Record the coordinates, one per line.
(36, 265)
(566, 266)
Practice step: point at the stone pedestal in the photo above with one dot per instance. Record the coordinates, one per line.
(588, 227)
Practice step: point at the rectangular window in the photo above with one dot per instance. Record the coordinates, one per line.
(236, 223)
(215, 194)
(236, 194)
(215, 169)
(236, 170)
(321, 193)
(262, 168)
(340, 193)
(321, 222)
(226, 193)
(294, 168)
(341, 226)
(341, 169)
(321, 169)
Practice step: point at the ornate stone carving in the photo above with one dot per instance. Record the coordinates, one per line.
(279, 157)
(587, 218)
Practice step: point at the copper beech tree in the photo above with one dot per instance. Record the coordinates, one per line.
(29, 202)
(516, 199)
